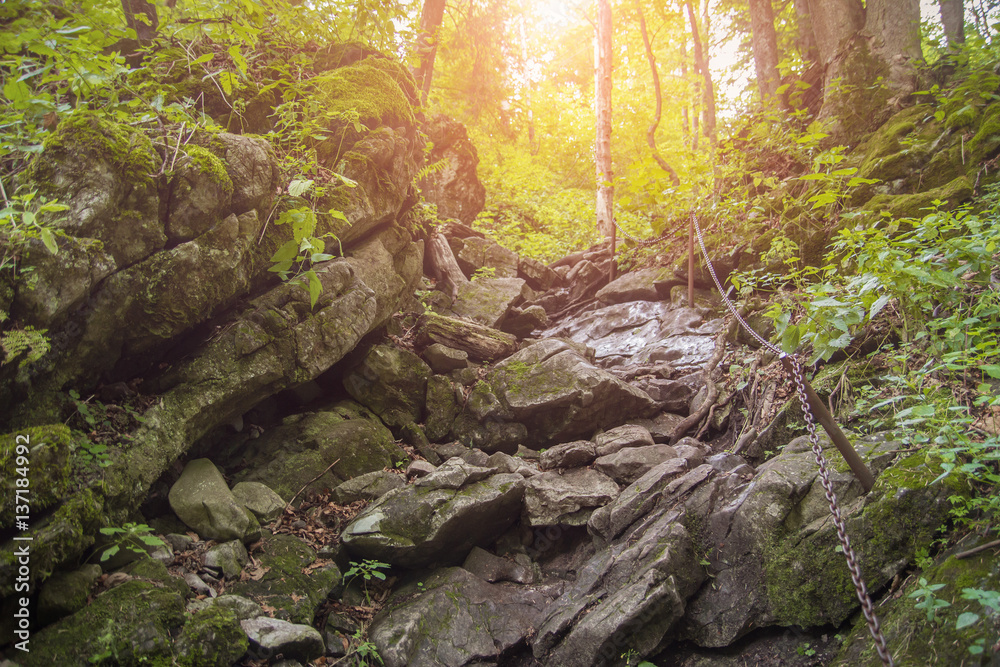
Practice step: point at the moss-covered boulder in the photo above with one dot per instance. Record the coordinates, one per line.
(106, 173)
(442, 407)
(131, 624)
(298, 451)
(289, 578)
(452, 184)
(554, 394)
(65, 593)
(986, 142)
(779, 563)
(392, 383)
(488, 301)
(202, 500)
(454, 618)
(57, 539)
(212, 637)
(36, 469)
(914, 638)
(202, 193)
(917, 205)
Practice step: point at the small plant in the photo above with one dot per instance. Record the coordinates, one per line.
(806, 649)
(928, 601)
(484, 273)
(366, 650)
(126, 536)
(990, 601)
(367, 570)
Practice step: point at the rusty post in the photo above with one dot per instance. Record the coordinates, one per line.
(691, 261)
(826, 420)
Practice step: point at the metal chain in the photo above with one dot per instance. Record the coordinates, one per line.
(644, 242)
(845, 543)
(831, 497)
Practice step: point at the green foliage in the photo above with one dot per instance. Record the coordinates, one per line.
(365, 650)
(927, 600)
(15, 342)
(126, 536)
(484, 273)
(105, 426)
(368, 571)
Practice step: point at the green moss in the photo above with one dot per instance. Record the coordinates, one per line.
(128, 149)
(399, 73)
(912, 638)
(859, 97)
(985, 144)
(128, 625)
(919, 204)
(211, 638)
(209, 164)
(46, 466)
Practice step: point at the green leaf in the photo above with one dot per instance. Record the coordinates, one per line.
(966, 619)
(813, 177)
(49, 239)
(299, 187)
(17, 92)
(790, 339)
(878, 305)
(315, 288)
(849, 171)
(993, 370)
(288, 252)
(109, 552)
(204, 58)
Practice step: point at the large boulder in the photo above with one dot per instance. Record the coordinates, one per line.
(202, 500)
(438, 519)
(453, 619)
(488, 300)
(480, 253)
(546, 393)
(634, 286)
(568, 498)
(452, 183)
(287, 576)
(392, 383)
(297, 452)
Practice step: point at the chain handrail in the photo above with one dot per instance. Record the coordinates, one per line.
(644, 242)
(867, 608)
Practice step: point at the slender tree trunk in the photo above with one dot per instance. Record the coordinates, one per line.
(685, 120)
(805, 38)
(651, 132)
(765, 49)
(427, 42)
(953, 21)
(701, 62)
(605, 176)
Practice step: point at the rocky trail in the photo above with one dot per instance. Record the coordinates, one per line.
(456, 457)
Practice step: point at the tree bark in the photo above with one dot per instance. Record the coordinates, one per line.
(482, 343)
(141, 16)
(427, 42)
(765, 49)
(835, 22)
(605, 175)
(651, 132)
(701, 62)
(953, 21)
(893, 30)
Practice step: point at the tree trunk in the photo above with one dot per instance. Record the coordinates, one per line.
(685, 122)
(651, 132)
(605, 176)
(141, 16)
(427, 42)
(953, 21)
(834, 23)
(893, 31)
(805, 39)
(765, 49)
(701, 62)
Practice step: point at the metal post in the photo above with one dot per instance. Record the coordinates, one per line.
(691, 261)
(826, 420)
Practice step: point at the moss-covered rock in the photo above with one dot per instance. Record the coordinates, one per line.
(363, 93)
(913, 639)
(916, 205)
(442, 407)
(294, 582)
(986, 142)
(201, 194)
(36, 469)
(392, 383)
(56, 540)
(131, 624)
(103, 170)
(211, 637)
(65, 593)
(304, 446)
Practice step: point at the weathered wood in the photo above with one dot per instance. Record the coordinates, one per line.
(482, 343)
(443, 265)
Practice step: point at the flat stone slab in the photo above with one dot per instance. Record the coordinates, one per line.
(569, 498)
